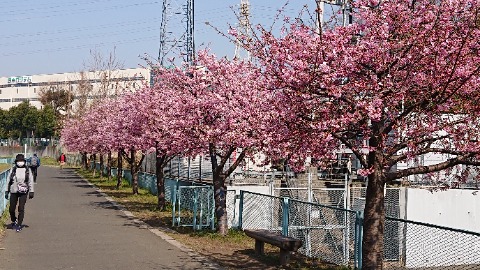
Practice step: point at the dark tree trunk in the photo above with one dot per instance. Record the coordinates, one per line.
(220, 190)
(109, 165)
(134, 168)
(374, 224)
(84, 161)
(219, 186)
(160, 162)
(94, 157)
(101, 165)
(119, 168)
(133, 171)
(374, 215)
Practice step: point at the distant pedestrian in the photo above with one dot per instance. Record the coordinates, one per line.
(34, 164)
(62, 159)
(20, 185)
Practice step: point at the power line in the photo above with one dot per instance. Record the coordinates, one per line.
(56, 39)
(84, 46)
(81, 11)
(80, 29)
(42, 7)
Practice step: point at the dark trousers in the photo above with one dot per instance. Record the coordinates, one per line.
(21, 199)
(34, 171)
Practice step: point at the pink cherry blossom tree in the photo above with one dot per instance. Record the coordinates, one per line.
(105, 135)
(162, 134)
(219, 110)
(127, 130)
(113, 125)
(404, 77)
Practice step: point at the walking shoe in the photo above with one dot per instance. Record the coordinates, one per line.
(19, 228)
(14, 225)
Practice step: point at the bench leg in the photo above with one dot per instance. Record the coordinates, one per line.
(259, 247)
(284, 256)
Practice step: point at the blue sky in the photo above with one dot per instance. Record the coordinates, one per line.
(53, 36)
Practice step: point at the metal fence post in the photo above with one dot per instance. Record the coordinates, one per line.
(285, 215)
(174, 201)
(358, 239)
(195, 208)
(240, 210)
(188, 170)
(212, 219)
(200, 169)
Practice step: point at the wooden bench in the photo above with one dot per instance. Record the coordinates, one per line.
(285, 243)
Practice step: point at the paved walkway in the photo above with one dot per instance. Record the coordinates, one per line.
(69, 225)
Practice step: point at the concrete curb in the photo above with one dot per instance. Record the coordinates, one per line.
(157, 231)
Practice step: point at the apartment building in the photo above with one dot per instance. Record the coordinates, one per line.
(16, 89)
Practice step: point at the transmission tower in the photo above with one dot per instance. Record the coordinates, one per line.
(243, 29)
(176, 31)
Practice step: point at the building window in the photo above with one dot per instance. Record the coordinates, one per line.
(19, 99)
(17, 90)
(1, 91)
(5, 100)
(34, 90)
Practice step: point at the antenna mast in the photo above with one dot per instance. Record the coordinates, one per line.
(177, 31)
(243, 30)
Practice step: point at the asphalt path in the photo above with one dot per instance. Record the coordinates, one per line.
(70, 225)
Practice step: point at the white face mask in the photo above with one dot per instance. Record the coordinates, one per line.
(20, 163)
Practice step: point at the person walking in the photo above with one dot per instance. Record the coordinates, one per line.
(34, 164)
(62, 159)
(20, 186)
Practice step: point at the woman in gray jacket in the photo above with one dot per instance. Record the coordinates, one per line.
(20, 185)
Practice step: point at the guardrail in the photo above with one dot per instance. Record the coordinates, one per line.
(3, 187)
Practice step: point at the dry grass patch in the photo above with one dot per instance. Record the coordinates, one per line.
(4, 167)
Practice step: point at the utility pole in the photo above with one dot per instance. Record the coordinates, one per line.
(346, 16)
(177, 31)
(319, 21)
(243, 30)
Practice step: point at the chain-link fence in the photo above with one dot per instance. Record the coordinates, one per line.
(328, 233)
(335, 235)
(428, 246)
(232, 209)
(261, 212)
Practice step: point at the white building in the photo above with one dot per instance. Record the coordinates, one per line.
(16, 89)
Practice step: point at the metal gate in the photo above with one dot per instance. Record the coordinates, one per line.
(194, 206)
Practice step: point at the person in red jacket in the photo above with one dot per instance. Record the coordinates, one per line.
(62, 159)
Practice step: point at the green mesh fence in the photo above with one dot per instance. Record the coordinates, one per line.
(3, 187)
(195, 207)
